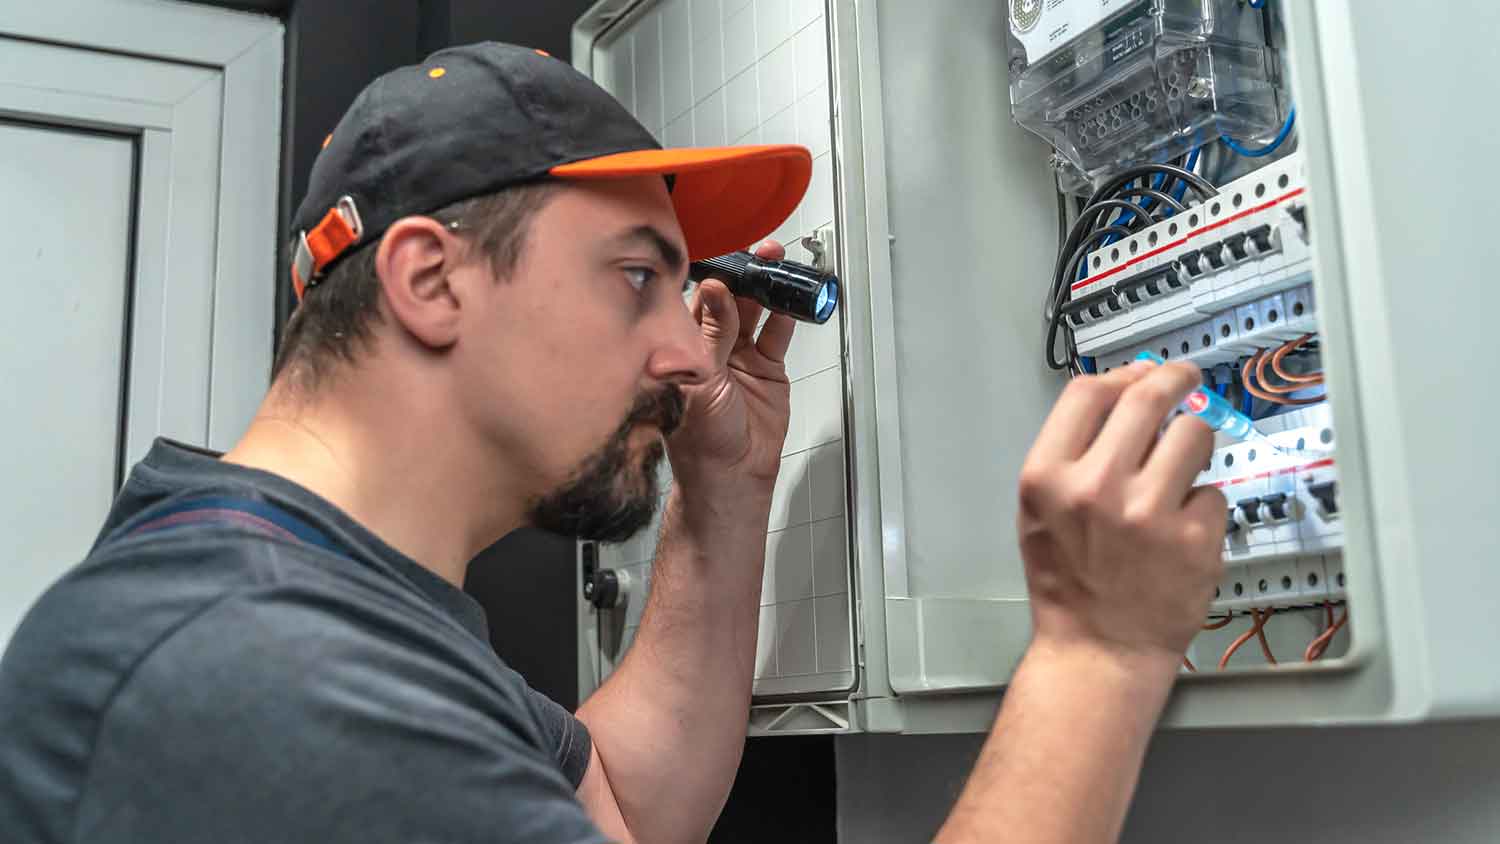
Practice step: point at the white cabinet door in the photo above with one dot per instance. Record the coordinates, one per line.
(65, 232)
(138, 150)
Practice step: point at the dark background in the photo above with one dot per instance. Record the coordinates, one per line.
(785, 787)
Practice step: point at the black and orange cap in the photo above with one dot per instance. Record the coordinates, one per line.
(475, 119)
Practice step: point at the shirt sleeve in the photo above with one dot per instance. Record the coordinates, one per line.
(568, 735)
(277, 718)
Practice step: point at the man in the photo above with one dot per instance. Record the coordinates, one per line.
(272, 645)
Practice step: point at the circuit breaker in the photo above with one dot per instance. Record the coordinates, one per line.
(1315, 263)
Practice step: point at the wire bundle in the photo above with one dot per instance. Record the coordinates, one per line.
(1258, 618)
(1265, 388)
(1257, 631)
(1094, 228)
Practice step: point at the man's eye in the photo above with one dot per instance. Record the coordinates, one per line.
(639, 277)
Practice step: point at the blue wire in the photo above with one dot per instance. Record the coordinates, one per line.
(1127, 216)
(1286, 129)
(1088, 364)
(1192, 163)
(1257, 4)
(1247, 405)
(1222, 388)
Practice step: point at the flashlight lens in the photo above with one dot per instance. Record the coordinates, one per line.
(828, 300)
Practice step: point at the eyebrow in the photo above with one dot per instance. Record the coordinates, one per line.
(666, 250)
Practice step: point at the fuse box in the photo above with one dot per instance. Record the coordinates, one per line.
(1377, 506)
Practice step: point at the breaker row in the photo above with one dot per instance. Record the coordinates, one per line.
(1237, 247)
(1280, 504)
(1230, 335)
(1304, 581)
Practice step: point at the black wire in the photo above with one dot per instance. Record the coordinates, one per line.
(1084, 225)
(1158, 196)
(1158, 193)
(1071, 267)
(1097, 213)
(1054, 311)
(1199, 185)
(1060, 290)
(1062, 218)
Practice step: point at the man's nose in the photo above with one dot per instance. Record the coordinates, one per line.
(682, 355)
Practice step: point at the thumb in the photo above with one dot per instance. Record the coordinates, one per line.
(719, 319)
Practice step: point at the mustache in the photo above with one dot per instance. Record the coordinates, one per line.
(662, 408)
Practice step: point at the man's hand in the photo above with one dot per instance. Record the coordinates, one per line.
(1121, 551)
(736, 421)
(1122, 554)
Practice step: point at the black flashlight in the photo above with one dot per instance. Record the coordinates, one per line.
(786, 287)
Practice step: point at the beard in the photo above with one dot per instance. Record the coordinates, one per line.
(611, 496)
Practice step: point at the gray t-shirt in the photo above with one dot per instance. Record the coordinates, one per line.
(215, 682)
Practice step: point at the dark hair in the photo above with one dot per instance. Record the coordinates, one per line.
(335, 316)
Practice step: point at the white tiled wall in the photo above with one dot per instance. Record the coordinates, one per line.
(716, 72)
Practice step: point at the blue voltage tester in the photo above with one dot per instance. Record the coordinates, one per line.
(1214, 409)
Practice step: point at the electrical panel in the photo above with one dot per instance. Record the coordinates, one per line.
(1316, 264)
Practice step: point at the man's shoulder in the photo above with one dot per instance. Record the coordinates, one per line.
(131, 595)
(248, 645)
(206, 598)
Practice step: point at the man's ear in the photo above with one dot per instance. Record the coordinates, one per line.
(414, 261)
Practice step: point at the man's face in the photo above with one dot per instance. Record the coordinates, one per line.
(570, 368)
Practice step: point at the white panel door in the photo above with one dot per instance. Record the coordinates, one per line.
(138, 158)
(65, 234)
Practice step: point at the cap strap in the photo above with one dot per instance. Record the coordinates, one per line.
(339, 229)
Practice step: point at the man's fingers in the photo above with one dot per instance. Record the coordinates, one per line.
(1080, 412)
(1132, 427)
(750, 313)
(750, 310)
(1206, 506)
(776, 337)
(717, 315)
(1182, 453)
(769, 249)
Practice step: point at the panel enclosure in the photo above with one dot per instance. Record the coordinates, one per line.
(946, 237)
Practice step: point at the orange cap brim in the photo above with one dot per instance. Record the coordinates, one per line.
(727, 198)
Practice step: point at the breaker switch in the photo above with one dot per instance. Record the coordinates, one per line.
(1260, 236)
(1215, 256)
(1327, 495)
(1096, 305)
(1249, 510)
(1231, 527)
(1235, 243)
(1274, 507)
(1190, 261)
(1299, 214)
